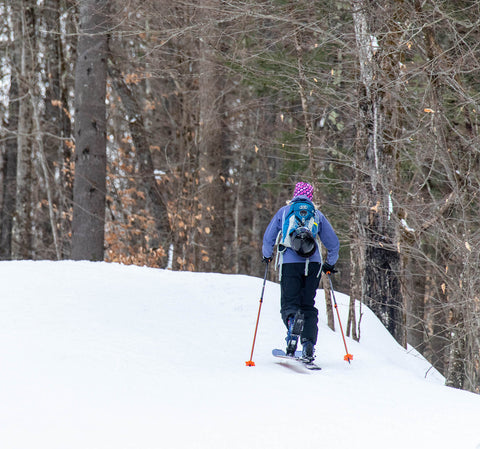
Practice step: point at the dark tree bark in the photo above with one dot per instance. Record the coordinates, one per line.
(25, 38)
(10, 173)
(380, 269)
(56, 128)
(90, 133)
(211, 144)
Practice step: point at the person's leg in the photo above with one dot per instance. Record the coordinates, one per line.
(291, 289)
(292, 285)
(307, 305)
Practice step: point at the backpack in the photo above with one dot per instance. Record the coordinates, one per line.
(299, 229)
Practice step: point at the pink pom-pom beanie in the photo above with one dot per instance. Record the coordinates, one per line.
(303, 188)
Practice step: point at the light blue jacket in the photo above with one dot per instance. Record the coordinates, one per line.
(325, 232)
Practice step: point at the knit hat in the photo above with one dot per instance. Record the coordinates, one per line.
(303, 188)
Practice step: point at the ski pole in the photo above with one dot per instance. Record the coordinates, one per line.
(347, 356)
(251, 362)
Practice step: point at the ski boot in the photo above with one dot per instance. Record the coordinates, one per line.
(308, 351)
(295, 328)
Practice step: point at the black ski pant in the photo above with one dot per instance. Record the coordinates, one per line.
(298, 293)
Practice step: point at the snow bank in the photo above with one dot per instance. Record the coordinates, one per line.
(97, 356)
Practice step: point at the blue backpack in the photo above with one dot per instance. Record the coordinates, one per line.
(299, 229)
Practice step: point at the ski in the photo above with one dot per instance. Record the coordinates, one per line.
(279, 353)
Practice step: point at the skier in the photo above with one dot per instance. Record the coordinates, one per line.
(300, 274)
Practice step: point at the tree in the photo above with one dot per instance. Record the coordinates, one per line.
(11, 149)
(55, 125)
(22, 243)
(89, 189)
(212, 140)
(379, 260)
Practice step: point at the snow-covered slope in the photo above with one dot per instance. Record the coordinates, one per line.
(96, 356)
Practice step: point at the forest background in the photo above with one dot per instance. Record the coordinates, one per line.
(167, 134)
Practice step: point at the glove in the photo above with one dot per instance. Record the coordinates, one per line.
(267, 259)
(328, 269)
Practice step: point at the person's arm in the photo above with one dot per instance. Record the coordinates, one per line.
(329, 239)
(271, 233)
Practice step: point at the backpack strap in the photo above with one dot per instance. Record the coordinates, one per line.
(319, 244)
(279, 256)
(281, 248)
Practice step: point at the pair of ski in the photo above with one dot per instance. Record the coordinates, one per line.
(307, 363)
(295, 328)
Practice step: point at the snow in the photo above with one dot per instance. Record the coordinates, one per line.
(97, 356)
(405, 226)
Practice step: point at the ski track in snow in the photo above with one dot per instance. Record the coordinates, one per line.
(97, 356)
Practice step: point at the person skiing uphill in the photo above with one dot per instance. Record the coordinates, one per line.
(296, 228)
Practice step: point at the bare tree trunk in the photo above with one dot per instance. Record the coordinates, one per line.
(56, 128)
(357, 261)
(90, 133)
(22, 244)
(211, 144)
(381, 268)
(11, 149)
(10, 171)
(455, 376)
(46, 175)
